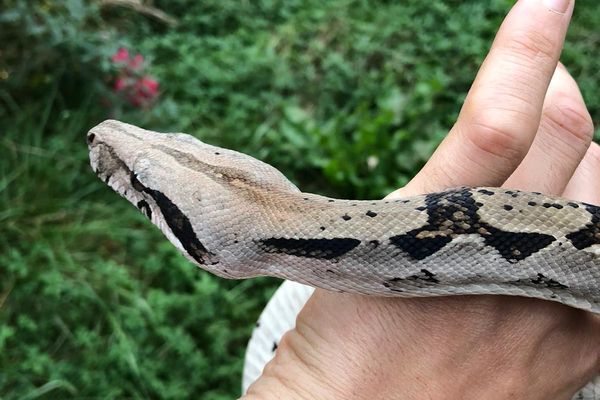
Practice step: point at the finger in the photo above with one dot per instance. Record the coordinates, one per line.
(583, 186)
(502, 111)
(563, 137)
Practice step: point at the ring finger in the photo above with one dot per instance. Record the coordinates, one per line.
(583, 186)
(563, 137)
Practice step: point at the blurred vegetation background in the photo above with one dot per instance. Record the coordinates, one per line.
(348, 98)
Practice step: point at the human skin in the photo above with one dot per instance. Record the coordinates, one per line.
(523, 125)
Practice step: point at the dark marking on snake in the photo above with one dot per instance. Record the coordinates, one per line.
(516, 246)
(549, 283)
(540, 280)
(181, 227)
(419, 248)
(346, 217)
(374, 243)
(574, 205)
(311, 248)
(532, 203)
(371, 214)
(453, 213)
(508, 207)
(110, 164)
(394, 289)
(424, 276)
(137, 185)
(274, 347)
(555, 205)
(486, 192)
(590, 233)
(391, 284)
(145, 208)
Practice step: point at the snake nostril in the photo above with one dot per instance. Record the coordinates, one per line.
(90, 138)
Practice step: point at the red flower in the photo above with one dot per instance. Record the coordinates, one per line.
(120, 84)
(145, 91)
(136, 62)
(149, 86)
(122, 55)
(130, 83)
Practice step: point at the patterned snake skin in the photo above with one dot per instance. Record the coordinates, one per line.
(238, 217)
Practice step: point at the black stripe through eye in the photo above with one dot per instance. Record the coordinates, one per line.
(137, 185)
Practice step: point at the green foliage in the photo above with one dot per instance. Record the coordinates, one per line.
(46, 43)
(346, 97)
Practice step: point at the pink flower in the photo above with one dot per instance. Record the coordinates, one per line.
(120, 84)
(136, 62)
(143, 92)
(149, 86)
(122, 55)
(130, 83)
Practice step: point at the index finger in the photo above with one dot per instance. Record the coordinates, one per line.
(502, 111)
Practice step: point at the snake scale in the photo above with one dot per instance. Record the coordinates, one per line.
(238, 217)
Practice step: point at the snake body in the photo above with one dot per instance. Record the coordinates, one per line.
(238, 217)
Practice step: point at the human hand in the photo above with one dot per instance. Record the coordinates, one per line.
(524, 125)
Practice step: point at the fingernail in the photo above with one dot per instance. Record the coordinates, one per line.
(558, 6)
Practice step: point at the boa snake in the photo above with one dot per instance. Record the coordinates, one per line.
(238, 217)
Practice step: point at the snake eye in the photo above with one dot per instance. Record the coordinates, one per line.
(137, 185)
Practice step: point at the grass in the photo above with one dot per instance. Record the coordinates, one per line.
(94, 303)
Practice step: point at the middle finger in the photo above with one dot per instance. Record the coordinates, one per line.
(502, 111)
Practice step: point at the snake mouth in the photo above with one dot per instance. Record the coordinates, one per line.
(113, 171)
(105, 163)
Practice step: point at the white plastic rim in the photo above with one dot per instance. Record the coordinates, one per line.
(278, 317)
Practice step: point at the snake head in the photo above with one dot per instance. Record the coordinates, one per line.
(191, 190)
(140, 166)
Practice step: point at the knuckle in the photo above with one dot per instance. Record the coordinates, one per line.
(571, 117)
(496, 136)
(532, 44)
(593, 154)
